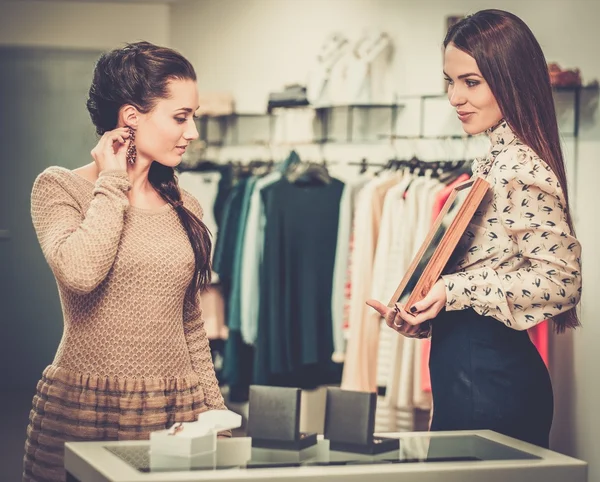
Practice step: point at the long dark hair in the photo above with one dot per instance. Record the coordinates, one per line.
(513, 64)
(138, 74)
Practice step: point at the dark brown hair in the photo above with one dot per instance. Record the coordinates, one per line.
(513, 64)
(138, 74)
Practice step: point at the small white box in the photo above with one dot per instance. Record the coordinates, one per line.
(189, 439)
(220, 419)
(183, 440)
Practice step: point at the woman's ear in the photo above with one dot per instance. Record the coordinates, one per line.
(128, 116)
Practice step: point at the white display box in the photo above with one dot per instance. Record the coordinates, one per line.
(190, 439)
(220, 419)
(183, 440)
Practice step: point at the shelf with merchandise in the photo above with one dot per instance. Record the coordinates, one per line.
(346, 123)
(351, 123)
(234, 128)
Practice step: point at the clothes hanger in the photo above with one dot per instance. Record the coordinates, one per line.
(363, 165)
(393, 163)
(305, 172)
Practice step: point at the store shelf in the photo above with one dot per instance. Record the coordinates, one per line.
(346, 123)
(238, 128)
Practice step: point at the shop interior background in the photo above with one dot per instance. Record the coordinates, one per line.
(252, 48)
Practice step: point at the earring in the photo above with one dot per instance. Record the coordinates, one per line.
(131, 150)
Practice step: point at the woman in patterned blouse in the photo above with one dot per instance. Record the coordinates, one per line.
(518, 262)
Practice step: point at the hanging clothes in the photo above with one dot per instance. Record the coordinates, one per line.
(356, 188)
(239, 349)
(252, 253)
(385, 281)
(211, 183)
(234, 315)
(204, 186)
(210, 187)
(360, 367)
(225, 244)
(213, 313)
(224, 255)
(341, 281)
(401, 397)
(294, 340)
(237, 353)
(339, 276)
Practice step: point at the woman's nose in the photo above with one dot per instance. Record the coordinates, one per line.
(456, 96)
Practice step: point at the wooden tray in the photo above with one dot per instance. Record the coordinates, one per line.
(441, 241)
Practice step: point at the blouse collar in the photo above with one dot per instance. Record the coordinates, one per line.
(500, 134)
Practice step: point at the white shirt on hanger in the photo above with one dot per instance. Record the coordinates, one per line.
(204, 186)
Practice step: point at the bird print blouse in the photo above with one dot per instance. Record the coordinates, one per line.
(518, 260)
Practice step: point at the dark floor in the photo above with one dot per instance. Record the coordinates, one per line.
(14, 412)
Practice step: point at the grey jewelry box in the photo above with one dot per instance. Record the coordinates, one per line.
(274, 419)
(350, 422)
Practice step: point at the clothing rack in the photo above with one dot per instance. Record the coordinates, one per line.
(440, 169)
(412, 164)
(423, 136)
(208, 165)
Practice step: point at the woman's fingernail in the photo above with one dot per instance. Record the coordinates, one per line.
(413, 309)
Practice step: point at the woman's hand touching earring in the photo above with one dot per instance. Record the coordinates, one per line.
(110, 152)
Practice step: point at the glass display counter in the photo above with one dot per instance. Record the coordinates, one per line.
(422, 457)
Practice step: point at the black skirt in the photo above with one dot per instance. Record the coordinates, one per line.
(485, 375)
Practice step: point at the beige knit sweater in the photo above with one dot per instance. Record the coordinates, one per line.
(122, 274)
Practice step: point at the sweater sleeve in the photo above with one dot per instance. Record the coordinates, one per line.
(197, 341)
(79, 246)
(547, 281)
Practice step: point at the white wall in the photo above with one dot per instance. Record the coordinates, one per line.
(86, 25)
(255, 46)
(252, 47)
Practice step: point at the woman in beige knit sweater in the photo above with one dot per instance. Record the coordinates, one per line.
(130, 255)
